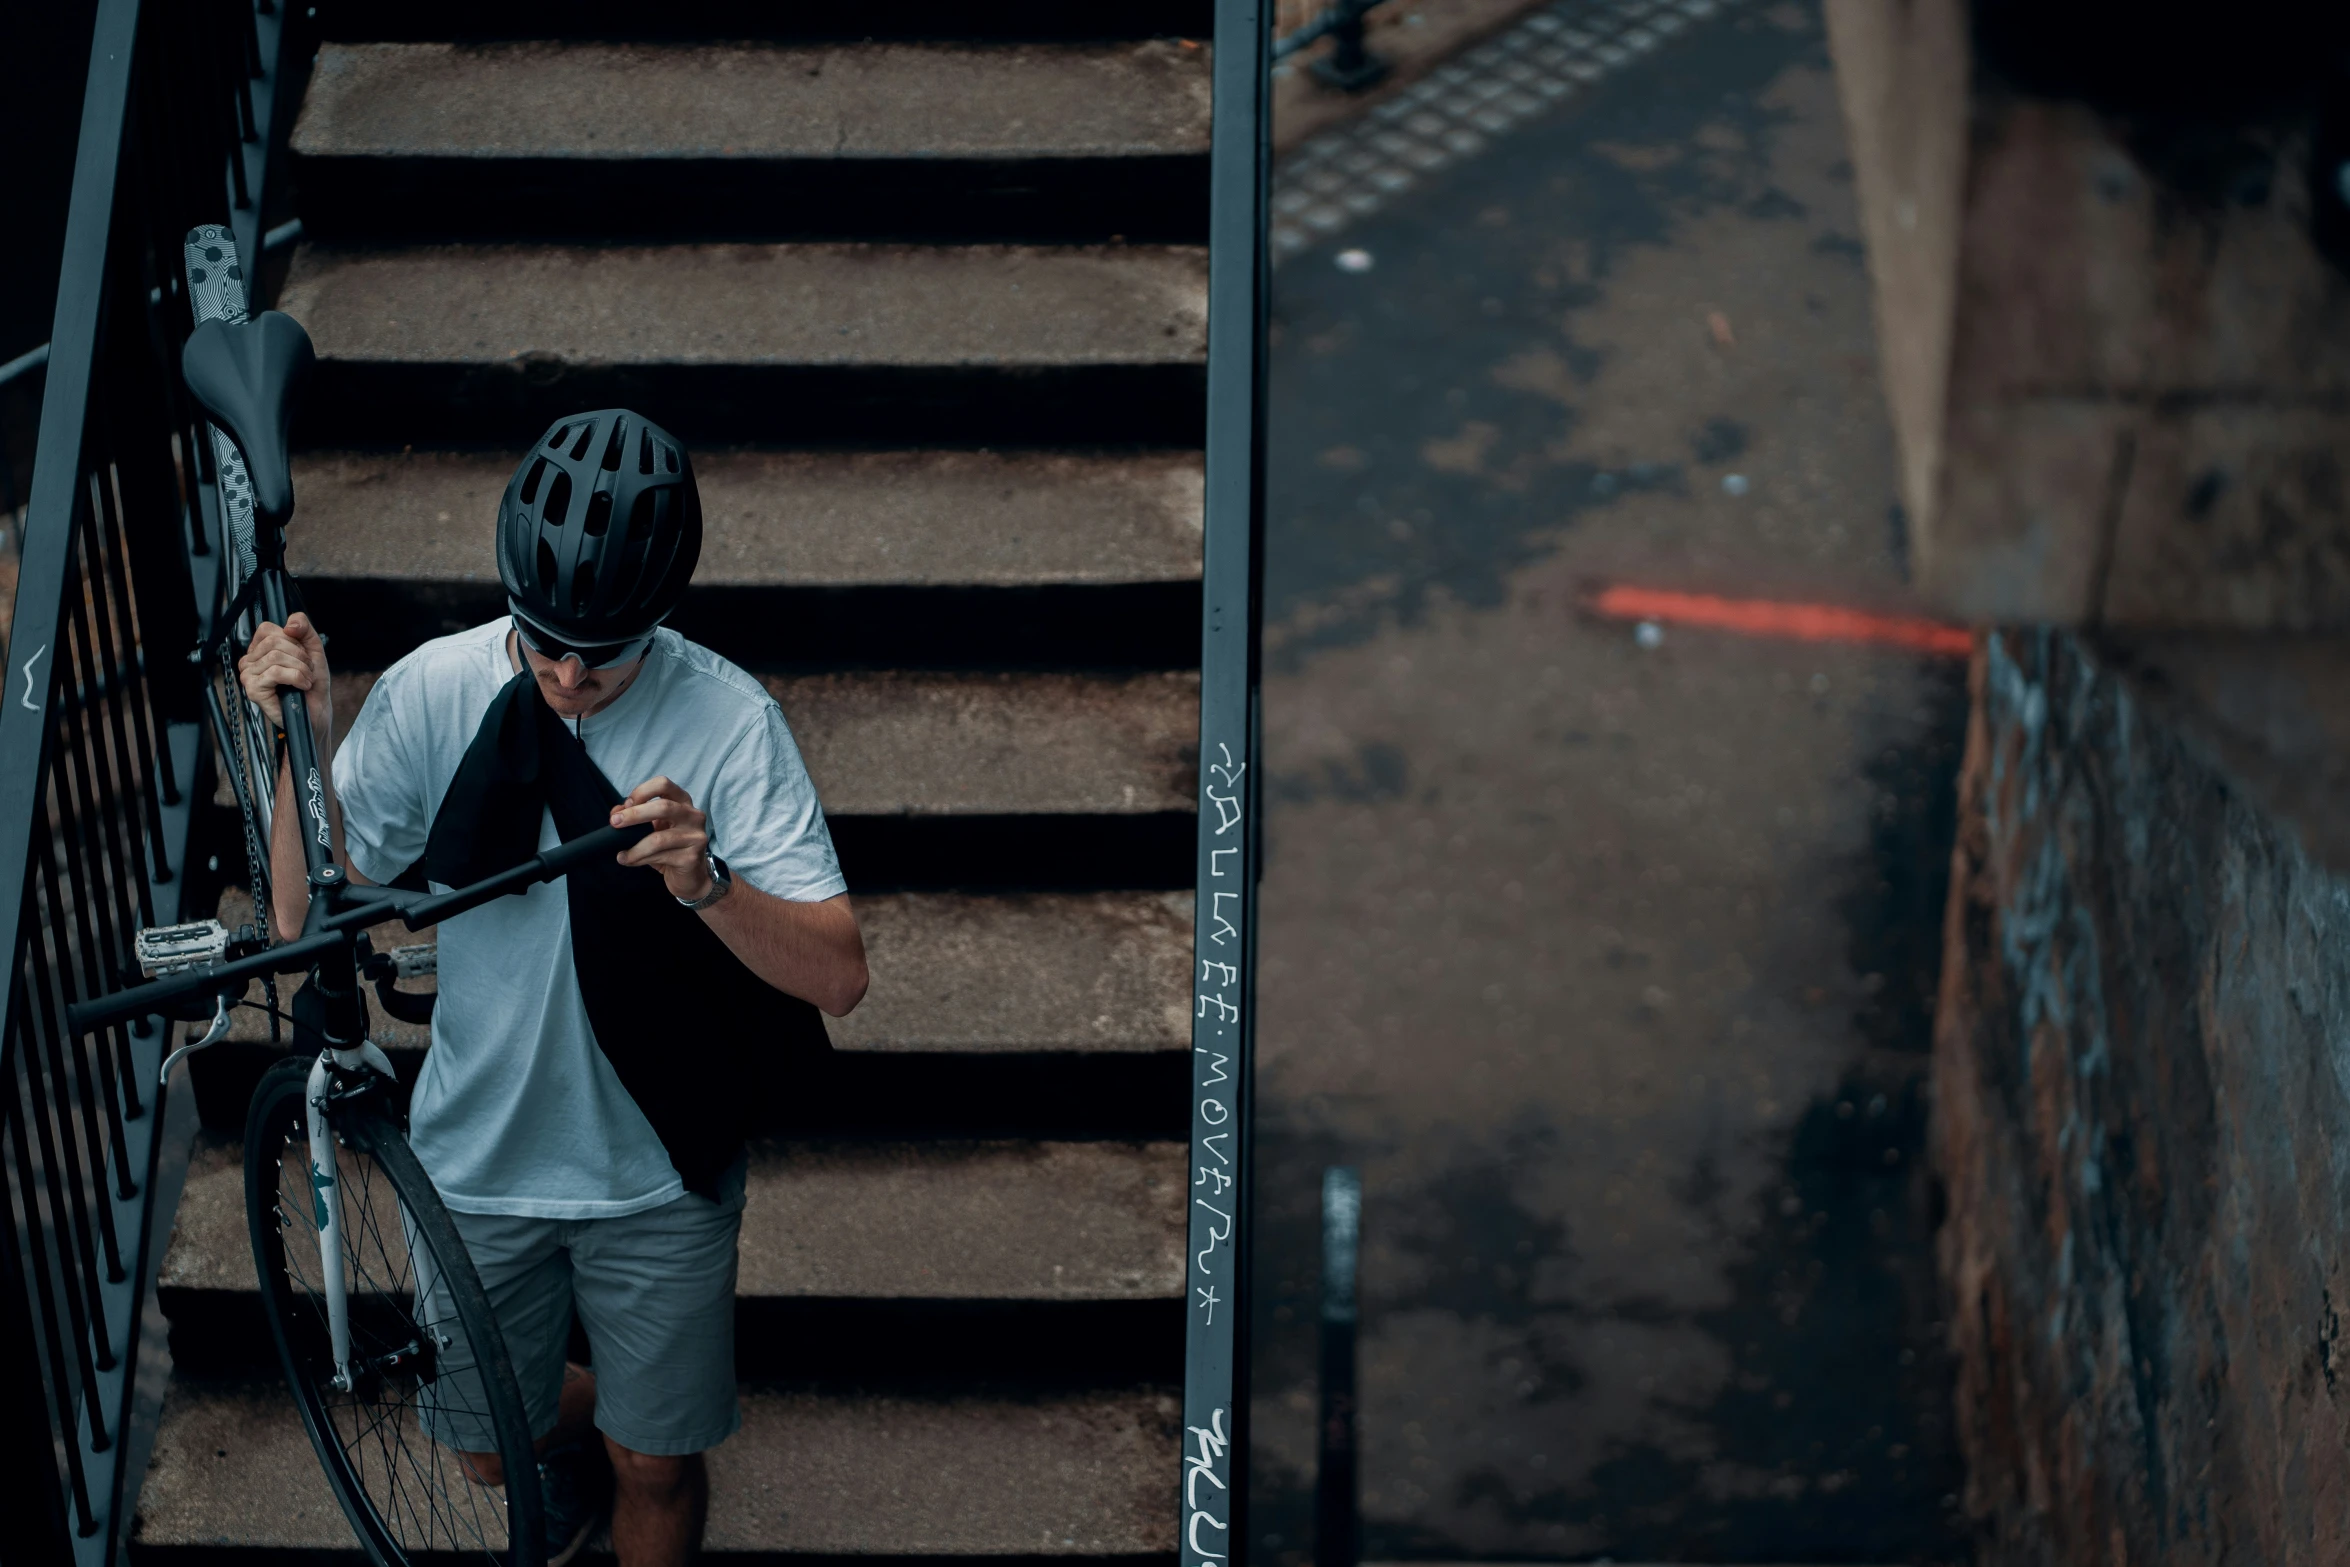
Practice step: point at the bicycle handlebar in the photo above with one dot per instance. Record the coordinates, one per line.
(381, 905)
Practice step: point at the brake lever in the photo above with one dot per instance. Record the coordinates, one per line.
(212, 1036)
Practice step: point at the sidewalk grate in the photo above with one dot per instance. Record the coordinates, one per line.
(1354, 169)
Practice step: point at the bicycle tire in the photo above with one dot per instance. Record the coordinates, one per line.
(407, 1496)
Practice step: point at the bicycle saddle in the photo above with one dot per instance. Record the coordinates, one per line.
(245, 375)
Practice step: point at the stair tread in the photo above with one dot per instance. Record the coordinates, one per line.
(742, 101)
(996, 744)
(538, 307)
(1010, 1220)
(728, 20)
(1047, 971)
(898, 743)
(797, 519)
(1080, 1475)
(965, 973)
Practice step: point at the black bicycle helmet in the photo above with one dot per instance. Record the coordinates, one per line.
(600, 528)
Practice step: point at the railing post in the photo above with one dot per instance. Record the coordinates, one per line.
(1212, 1504)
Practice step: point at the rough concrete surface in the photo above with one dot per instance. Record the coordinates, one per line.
(2140, 1114)
(802, 519)
(762, 305)
(1036, 971)
(1079, 1475)
(936, 1221)
(887, 743)
(984, 973)
(232, 1459)
(1612, 967)
(1087, 1474)
(965, 1221)
(637, 100)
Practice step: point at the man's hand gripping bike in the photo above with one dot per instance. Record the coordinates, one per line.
(381, 1325)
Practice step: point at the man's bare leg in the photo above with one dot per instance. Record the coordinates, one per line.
(575, 1420)
(658, 1505)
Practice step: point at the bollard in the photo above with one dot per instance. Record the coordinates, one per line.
(1335, 1544)
(1349, 66)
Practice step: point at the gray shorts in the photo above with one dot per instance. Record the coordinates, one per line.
(655, 1293)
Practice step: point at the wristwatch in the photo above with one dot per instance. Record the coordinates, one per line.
(721, 883)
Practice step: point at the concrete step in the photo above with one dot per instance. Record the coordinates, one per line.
(958, 974)
(896, 743)
(1038, 1014)
(602, 141)
(798, 345)
(909, 559)
(1077, 1477)
(967, 1260)
(1105, 972)
(728, 20)
(1034, 781)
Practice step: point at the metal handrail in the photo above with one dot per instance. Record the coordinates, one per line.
(99, 742)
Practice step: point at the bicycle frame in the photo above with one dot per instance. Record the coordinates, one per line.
(323, 1169)
(243, 373)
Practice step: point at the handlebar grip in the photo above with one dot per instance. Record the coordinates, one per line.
(604, 840)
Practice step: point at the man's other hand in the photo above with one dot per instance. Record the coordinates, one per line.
(679, 845)
(293, 654)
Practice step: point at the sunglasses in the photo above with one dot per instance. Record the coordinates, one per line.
(591, 655)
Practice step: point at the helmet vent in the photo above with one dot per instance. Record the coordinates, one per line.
(670, 454)
(640, 518)
(546, 568)
(558, 500)
(530, 484)
(579, 447)
(555, 441)
(583, 587)
(644, 451)
(599, 513)
(616, 446)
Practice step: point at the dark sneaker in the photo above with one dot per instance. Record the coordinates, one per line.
(575, 1490)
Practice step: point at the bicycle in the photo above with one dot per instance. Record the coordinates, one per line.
(380, 1323)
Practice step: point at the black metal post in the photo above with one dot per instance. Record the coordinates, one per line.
(1212, 1514)
(1336, 1539)
(1349, 66)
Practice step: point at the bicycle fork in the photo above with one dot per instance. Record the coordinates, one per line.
(326, 1206)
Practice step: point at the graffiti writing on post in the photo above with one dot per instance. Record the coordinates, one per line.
(1203, 1457)
(1217, 1005)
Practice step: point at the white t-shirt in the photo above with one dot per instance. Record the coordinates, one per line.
(517, 1111)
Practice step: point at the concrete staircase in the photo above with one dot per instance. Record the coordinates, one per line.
(930, 308)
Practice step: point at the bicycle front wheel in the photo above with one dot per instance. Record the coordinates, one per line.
(431, 1391)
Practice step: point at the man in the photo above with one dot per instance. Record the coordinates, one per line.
(582, 1108)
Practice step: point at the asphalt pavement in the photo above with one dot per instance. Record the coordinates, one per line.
(1608, 956)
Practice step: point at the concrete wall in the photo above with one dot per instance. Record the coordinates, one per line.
(2143, 1126)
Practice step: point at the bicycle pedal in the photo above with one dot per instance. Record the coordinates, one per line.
(416, 961)
(168, 949)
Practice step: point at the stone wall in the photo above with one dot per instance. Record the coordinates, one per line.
(2142, 1125)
